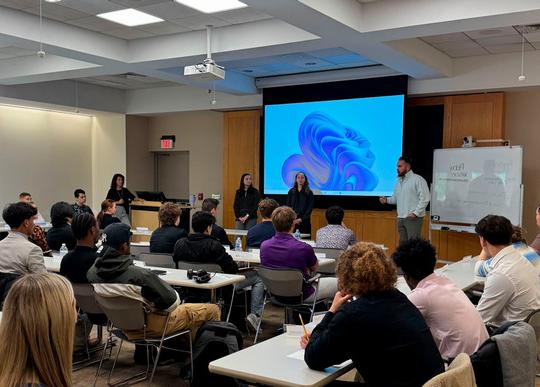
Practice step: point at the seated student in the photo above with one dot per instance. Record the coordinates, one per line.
(373, 324)
(536, 243)
(17, 254)
(78, 261)
(511, 291)
(210, 205)
(284, 251)
(80, 207)
(485, 262)
(453, 320)
(106, 215)
(25, 197)
(114, 274)
(61, 233)
(264, 230)
(164, 237)
(335, 235)
(203, 248)
(36, 334)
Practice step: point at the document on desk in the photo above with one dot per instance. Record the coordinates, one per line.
(299, 355)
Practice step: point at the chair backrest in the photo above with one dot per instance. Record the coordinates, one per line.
(124, 313)
(86, 298)
(158, 259)
(137, 250)
(533, 320)
(209, 267)
(459, 374)
(330, 253)
(282, 282)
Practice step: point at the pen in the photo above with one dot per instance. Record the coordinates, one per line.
(303, 326)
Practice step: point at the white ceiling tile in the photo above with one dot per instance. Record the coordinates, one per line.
(95, 24)
(138, 3)
(445, 38)
(199, 22)
(13, 51)
(499, 40)
(533, 36)
(459, 45)
(19, 4)
(253, 72)
(465, 52)
(162, 28)
(506, 48)
(169, 10)
(128, 33)
(242, 15)
(492, 32)
(92, 7)
(536, 45)
(57, 12)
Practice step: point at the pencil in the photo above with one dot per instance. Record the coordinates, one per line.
(303, 326)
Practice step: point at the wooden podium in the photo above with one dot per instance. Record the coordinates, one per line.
(145, 214)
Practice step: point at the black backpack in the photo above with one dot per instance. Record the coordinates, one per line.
(214, 340)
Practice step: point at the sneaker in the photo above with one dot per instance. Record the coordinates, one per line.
(253, 320)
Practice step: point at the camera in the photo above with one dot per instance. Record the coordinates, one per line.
(200, 276)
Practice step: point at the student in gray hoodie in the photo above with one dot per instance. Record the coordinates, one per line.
(114, 274)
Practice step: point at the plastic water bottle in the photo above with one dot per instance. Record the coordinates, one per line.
(297, 234)
(63, 250)
(238, 244)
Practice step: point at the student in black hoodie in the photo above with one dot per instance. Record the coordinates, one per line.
(210, 205)
(114, 273)
(60, 233)
(245, 205)
(203, 248)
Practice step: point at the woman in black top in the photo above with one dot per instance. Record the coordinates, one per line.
(164, 238)
(60, 233)
(379, 329)
(300, 198)
(246, 201)
(107, 214)
(121, 196)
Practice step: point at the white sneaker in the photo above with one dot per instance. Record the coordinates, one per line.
(253, 320)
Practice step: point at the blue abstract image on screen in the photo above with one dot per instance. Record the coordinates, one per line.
(345, 147)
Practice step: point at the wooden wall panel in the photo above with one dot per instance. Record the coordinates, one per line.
(240, 155)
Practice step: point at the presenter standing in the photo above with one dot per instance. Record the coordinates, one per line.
(300, 198)
(121, 196)
(246, 202)
(411, 195)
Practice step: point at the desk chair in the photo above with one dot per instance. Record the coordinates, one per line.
(284, 288)
(533, 320)
(137, 250)
(130, 314)
(158, 260)
(459, 374)
(86, 302)
(330, 253)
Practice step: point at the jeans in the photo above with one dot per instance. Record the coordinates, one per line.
(257, 291)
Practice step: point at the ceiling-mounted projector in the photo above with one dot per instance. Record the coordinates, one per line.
(206, 71)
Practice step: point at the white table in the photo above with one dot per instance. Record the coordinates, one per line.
(243, 233)
(145, 232)
(45, 226)
(253, 257)
(268, 363)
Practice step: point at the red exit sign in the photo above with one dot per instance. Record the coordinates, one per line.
(167, 144)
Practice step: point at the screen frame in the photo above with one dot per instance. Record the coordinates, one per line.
(361, 88)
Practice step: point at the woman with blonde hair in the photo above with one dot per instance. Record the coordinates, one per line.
(374, 324)
(36, 332)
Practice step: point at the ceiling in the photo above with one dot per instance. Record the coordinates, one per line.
(426, 40)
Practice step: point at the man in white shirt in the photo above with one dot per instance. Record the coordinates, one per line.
(511, 291)
(17, 254)
(411, 195)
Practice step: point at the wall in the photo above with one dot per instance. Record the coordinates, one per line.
(523, 128)
(200, 133)
(139, 160)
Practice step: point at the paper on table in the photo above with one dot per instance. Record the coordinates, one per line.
(299, 355)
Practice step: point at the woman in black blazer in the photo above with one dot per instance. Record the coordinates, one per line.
(300, 198)
(246, 202)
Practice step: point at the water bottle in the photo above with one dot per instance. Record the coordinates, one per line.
(297, 234)
(238, 244)
(63, 250)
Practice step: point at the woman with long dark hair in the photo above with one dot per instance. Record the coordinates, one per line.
(300, 198)
(246, 201)
(121, 196)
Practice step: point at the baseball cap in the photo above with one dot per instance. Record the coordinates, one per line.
(116, 234)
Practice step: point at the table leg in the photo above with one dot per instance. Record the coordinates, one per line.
(213, 296)
(232, 300)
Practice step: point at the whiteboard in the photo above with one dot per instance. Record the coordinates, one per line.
(470, 183)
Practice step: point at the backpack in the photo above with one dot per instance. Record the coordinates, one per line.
(214, 340)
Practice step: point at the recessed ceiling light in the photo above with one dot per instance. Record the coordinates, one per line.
(211, 6)
(53, 1)
(130, 17)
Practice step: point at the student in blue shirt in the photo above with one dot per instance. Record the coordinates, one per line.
(264, 230)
